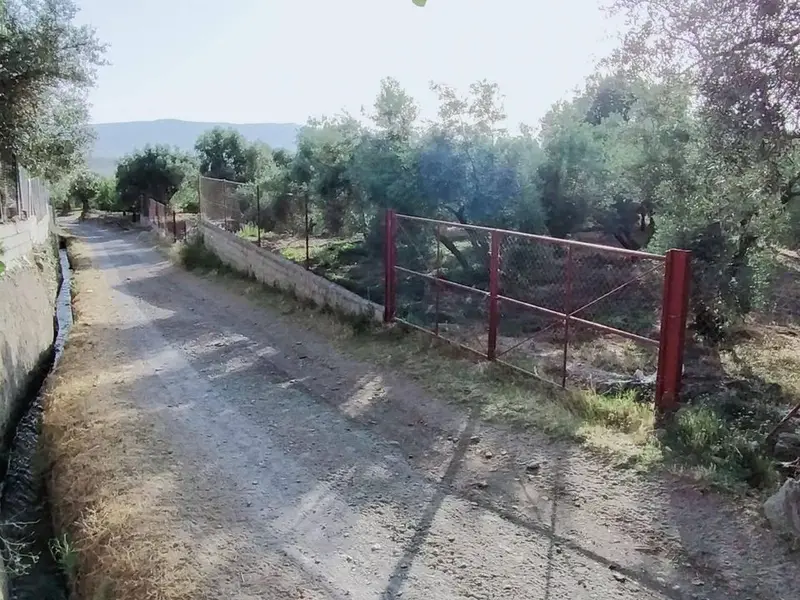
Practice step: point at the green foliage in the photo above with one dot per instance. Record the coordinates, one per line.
(792, 235)
(225, 154)
(629, 158)
(704, 436)
(731, 203)
(185, 199)
(156, 172)
(107, 198)
(687, 138)
(66, 555)
(47, 63)
(248, 231)
(196, 257)
(84, 188)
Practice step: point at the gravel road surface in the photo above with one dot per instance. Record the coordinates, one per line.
(307, 474)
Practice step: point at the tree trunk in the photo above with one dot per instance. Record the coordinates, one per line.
(480, 243)
(447, 243)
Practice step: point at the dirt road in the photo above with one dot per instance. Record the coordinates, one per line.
(304, 474)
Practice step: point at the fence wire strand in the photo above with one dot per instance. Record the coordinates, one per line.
(613, 299)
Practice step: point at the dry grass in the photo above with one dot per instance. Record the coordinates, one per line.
(111, 489)
(768, 352)
(770, 346)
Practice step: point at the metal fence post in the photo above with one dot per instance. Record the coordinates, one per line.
(389, 259)
(494, 292)
(18, 182)
(437, 288)
(258, 214)
(305, 209)
(567, 311)
(674, 311)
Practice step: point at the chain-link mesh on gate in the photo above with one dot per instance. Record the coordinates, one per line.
(612, 296)
(228, 204)
(428, 254)
(554, 308)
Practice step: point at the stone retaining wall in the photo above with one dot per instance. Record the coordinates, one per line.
(276, 271)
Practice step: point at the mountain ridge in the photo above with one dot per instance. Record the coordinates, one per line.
(116, 139)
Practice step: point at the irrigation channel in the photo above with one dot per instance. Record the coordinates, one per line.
(33, 557)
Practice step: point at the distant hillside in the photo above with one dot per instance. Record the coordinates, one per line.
(114, 140)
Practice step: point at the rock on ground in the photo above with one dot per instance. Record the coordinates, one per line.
(783, 509)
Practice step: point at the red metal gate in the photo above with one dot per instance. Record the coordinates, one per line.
(538, 304)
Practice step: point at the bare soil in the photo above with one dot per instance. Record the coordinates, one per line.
(204, 446)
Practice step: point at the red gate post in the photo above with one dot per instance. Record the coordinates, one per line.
(674, 311)
(494, 292)
(389, 259)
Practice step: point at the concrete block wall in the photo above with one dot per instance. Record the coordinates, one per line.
(276, 271)
(27, 307)
(18, 238)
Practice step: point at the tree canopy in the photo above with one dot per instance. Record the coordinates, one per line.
(155, 172)
(225, 154)
(84, 188)
(685, 137)
(47, 64)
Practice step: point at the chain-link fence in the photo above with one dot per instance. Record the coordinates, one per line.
(554, 308)
(613, 299)
(21, 196)
(230, 205)
(297, 230)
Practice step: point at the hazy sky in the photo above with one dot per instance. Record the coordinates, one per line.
(285, 60)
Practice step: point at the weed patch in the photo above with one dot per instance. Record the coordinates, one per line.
(248, 231)
(65, 554)
(194, 256)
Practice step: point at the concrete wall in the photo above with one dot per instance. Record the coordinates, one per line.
(28, 290)
(276, 271)
(18, 238)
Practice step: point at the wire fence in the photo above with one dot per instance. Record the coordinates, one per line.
(21, 195)
(294, 229)
(230, 205)
(781, 304)
(553, 308)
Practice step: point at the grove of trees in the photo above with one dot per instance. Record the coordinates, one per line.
(686, 137)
